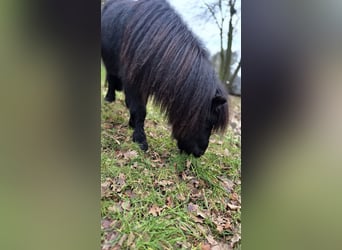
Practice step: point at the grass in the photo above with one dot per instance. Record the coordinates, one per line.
(161, 199)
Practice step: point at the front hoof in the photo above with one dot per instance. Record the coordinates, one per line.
(141, 142)
(110, 99)
(143, 146)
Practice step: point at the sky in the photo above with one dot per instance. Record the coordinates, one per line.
(208, 32)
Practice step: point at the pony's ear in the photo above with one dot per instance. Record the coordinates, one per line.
(217, 101)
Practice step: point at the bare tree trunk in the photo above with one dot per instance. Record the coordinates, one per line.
(226, 55)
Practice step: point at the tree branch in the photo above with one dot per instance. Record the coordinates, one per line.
(232, 78)
(212, 12)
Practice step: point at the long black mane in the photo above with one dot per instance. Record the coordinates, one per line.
(166, 61)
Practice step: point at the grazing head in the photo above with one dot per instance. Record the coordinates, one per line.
(196, 141)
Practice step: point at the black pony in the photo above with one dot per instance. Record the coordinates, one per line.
(149, 52)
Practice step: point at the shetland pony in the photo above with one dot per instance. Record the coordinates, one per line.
(149, 52)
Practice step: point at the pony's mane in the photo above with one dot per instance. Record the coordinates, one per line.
(164, 59)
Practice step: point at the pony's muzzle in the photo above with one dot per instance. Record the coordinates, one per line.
(198, 153)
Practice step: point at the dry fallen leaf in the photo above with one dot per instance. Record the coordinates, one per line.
(115, 208)
(115, 224)
(105, 224)
(196, 219)
(227, 225)
(233, 207)
(129, 193)
(164, 183)
(131, 154)
(116, 247)
(130, 239)
(221, 246)
(196, 194)
(181, 197)
(195, 183)
(211, 240)
(201, 214)
(221, 222)
(155, 210)
(126, 205)
(234, 196)
(121, 180)
(169, 201)
(202, 229)
(106, 188)
(122, 240)
(185, 177)
(219, 228)
(236, 238)
(205, 246)
(112, 186)
(227, 183)
(192, 207)
(107, 125)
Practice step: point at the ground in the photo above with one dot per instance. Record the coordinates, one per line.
(161, 199)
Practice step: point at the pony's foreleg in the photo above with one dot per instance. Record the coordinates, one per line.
(114, 83)
(139, 135)
(137, 109)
